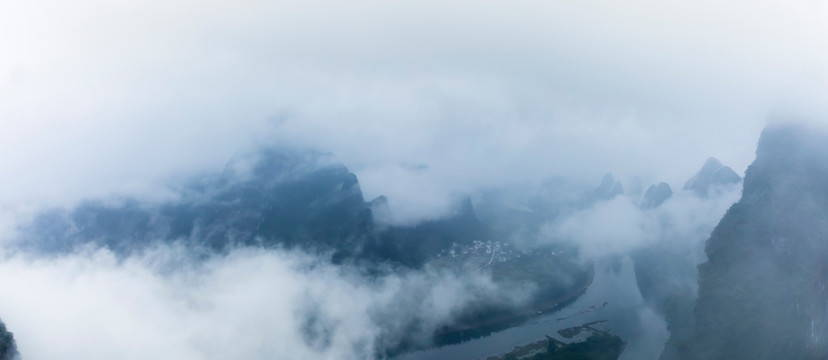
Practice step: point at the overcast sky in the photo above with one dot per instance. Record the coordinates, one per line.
(422, 99)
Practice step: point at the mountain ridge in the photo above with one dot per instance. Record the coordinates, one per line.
(762, 290)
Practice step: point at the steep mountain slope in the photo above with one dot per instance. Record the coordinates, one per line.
(762, 292)
(8, 348)
(277, 198)
(666, 270)
(285, 198)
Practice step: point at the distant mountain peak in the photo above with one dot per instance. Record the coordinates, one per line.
(656, 195)
(712, 164)
(609, 188)
(712, 174)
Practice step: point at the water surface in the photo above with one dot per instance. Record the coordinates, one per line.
(613, 296)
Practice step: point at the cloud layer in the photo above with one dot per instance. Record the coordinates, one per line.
(619, 226)
(250, 304)
(115, 97)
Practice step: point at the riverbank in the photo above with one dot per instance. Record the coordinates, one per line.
(457, 334)
(612, 296)
(600, 345)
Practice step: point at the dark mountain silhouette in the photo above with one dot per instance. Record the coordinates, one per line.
(286, 198)
(656, 195)
(8, 348)
(762, 292)
(608, 189)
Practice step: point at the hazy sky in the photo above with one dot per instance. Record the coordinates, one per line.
(111, 96)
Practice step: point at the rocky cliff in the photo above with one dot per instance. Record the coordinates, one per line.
(762, 292)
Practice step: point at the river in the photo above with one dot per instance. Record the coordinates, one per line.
(613, 296)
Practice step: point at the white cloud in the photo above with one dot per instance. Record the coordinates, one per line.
(619, 226)
(251, 304)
